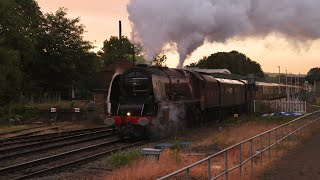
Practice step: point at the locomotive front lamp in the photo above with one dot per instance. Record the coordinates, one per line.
(128, 114)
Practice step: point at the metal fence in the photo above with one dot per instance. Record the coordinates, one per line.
(279, 106)
(56, 96)
(252, 151)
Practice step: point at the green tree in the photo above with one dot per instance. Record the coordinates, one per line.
(313, 75)
(112, 50)
(234, 61)
(65, 56)
(10, 76)
(159, 60)
(19, 27)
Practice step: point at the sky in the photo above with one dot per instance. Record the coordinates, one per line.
(101, 18)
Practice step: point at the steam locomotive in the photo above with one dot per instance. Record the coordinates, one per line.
(159, 101)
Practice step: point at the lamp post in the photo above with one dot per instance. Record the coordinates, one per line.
(291, 83)
(298, 81)
(287, 85)
(279, 81)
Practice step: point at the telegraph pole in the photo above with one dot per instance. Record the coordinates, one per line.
(133, 51)
(120, 40)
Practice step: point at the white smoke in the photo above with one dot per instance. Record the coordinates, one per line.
(188, 23)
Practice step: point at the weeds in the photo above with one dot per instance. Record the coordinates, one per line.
(204, 141)
(16, 113)
(5, 128)
(124, 157)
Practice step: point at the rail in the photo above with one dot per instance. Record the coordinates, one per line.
(275, 138)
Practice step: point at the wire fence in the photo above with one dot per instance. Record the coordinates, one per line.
(244, 156)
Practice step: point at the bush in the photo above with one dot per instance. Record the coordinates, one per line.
(84, 94)
(124, 157)
(23, 112)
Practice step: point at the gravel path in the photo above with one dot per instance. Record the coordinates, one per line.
(300, 163)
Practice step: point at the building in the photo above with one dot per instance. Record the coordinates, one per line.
(105, 78)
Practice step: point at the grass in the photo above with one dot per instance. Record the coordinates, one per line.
(231, 133)
(142, 169)
(7, 128)
(124, 157)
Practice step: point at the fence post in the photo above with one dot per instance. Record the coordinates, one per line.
(300, 131)
(251, 161)
(260, 139)
(226, 163)
(305, 106)
(269, 145)
(296, 131)
(276, 143)
(240, 160)
(209, 169)
(282, 136)
(187, 174)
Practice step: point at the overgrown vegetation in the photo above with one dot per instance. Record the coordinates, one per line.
(16, 114)
(174, 159)
(124, 157)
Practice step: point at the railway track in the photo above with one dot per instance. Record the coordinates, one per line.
(47, 165)
(45, 137)
(15, 152)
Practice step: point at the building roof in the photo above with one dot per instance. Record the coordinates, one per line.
(209, 71)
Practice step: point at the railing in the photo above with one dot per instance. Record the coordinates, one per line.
(262, 143)
(279, 106)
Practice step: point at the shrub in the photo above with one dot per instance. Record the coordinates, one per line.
(124, 157)
(23, 112)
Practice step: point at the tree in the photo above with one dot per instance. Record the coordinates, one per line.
(234, 61)
(313, 75)
(112, 50)
(10, 76)
(19, 28)
(65, 57)
(159, 60)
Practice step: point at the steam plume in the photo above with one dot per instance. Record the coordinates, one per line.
(188, 23)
